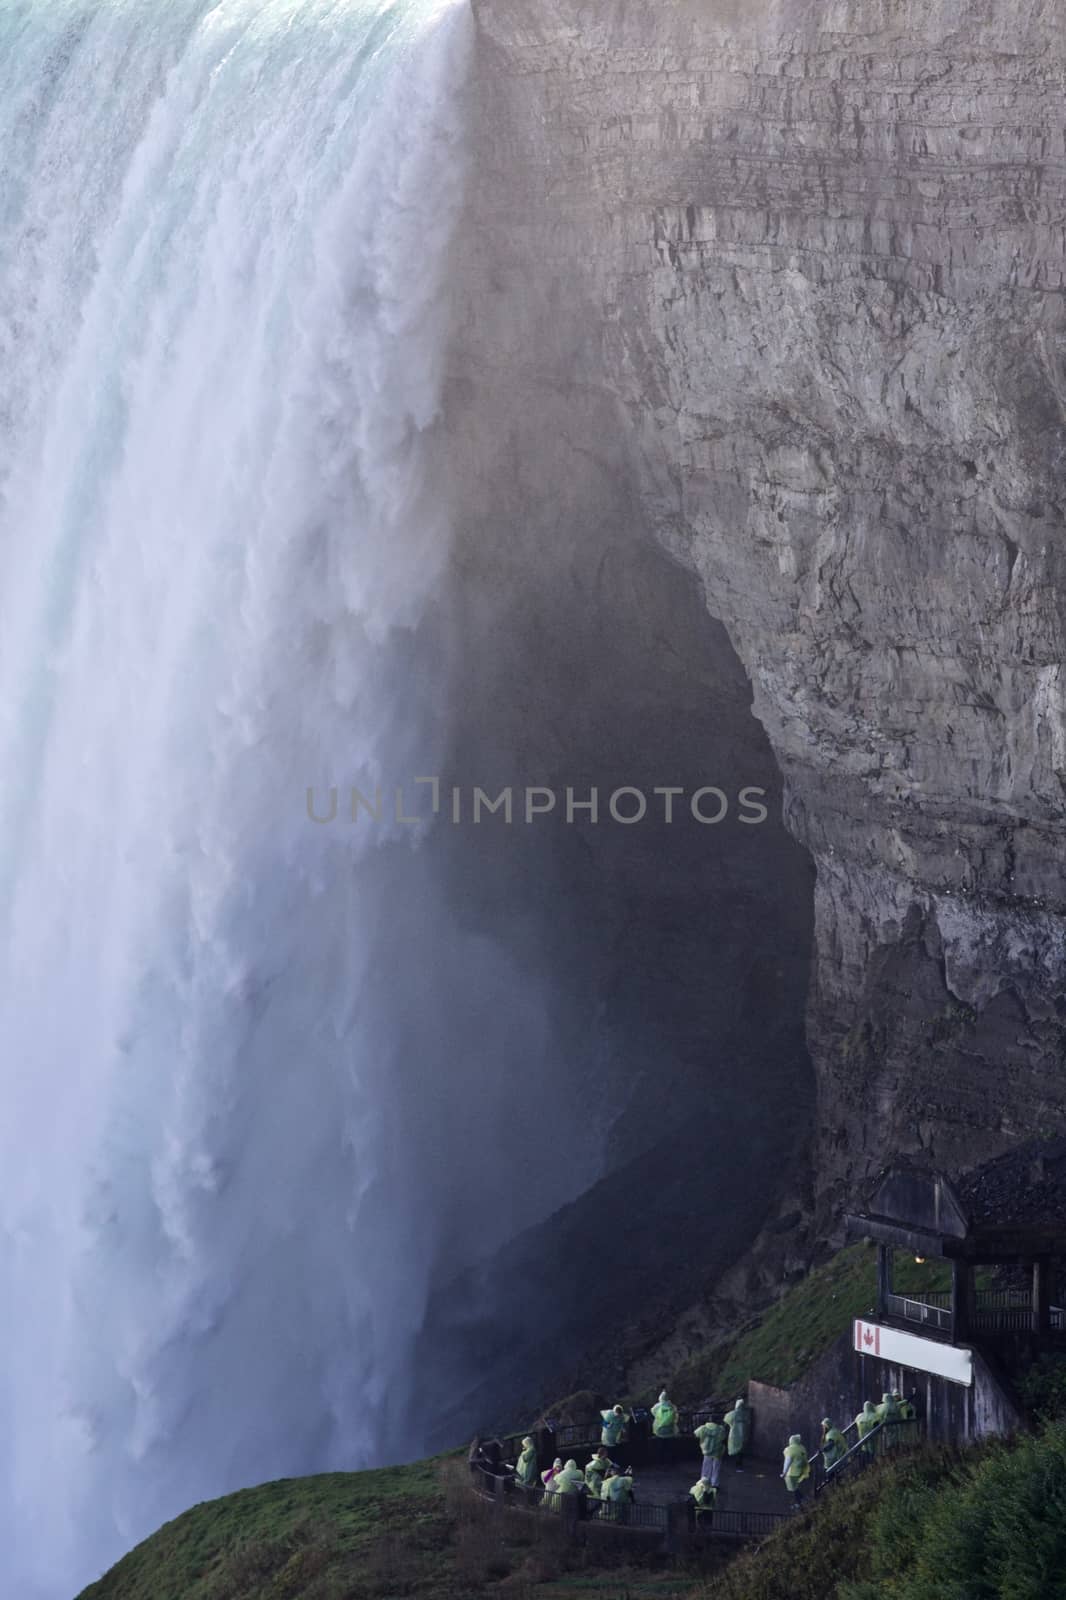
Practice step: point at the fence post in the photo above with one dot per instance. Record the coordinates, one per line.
(884, 1278)
(1041, 1309)
(638, 1445)
(678, 1525)
(961, 1300)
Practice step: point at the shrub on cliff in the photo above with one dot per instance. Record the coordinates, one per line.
(996, 1531)
(810, 1557)
(986, 1523)
(1043, 1388)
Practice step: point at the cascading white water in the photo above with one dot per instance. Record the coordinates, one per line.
(224, 228)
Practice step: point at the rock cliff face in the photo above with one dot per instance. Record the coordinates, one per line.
(800, 268)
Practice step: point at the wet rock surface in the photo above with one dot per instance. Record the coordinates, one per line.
(809, 262)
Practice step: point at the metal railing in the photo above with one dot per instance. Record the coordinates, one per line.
(878, 1441)
(740, 1524)
(575, 1434)
(579, 1435)
(1001, 1319)
(691, 1420)
(931, 1311)
(589, 1508)
(1009, 1310)
(818, 1456)
(500, 1487)
(631, 1514)
(487, 1484)
(994, 1311)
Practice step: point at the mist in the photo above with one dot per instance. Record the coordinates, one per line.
(289, 1100)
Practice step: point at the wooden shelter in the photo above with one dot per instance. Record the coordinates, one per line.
(925, 1214)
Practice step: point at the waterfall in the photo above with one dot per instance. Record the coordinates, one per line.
(224, 235)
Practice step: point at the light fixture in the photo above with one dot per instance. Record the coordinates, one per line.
(920, 1260)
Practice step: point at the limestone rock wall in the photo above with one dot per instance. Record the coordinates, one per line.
(803, 264)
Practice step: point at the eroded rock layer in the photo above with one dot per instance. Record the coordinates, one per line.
(803, 264)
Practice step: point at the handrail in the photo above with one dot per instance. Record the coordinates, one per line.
(725, 1524)
(635, 1515)
(860, 1446)
(589, 1507)
(866, 1447)
(819, 1455)
(578, 1434)
(717, 1523)
(993, 1310)
(496, 1482)
(916, 1308)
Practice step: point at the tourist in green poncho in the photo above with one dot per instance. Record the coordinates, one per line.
(711, 1438)
(526, 1470)
(597, 1470)
(570, 1481)
(738, 1421)
(614, 1426)
(705, 1495)
(888, 1410)
(664, 1418)
(834, 1445)
(617, 1494)
(866, 1420)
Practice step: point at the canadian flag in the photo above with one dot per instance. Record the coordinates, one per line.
(867, 1338)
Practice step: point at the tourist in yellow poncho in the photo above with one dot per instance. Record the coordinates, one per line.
(797, 1468)
(866, 1420)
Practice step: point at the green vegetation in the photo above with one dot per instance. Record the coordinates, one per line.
(987, 1523)
(803, 1324)
(1042, 1388)
(810, 1558)
(982, 1524)
(291, 1538)
(994, 1530)
(407, 1531)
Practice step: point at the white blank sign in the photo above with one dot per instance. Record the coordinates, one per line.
(908, 1350)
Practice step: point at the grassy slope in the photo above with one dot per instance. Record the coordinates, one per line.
(406, 1531)
(802, 1324)
(983, 1523)
(809, 1558)
(412, 1530)
(270, 1541)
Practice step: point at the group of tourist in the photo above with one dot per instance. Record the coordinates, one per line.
(603, 1479)
(720, 1436)
(606, 1480)
(796, 1470)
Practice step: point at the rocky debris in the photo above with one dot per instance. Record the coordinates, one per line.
(1027, 1185)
